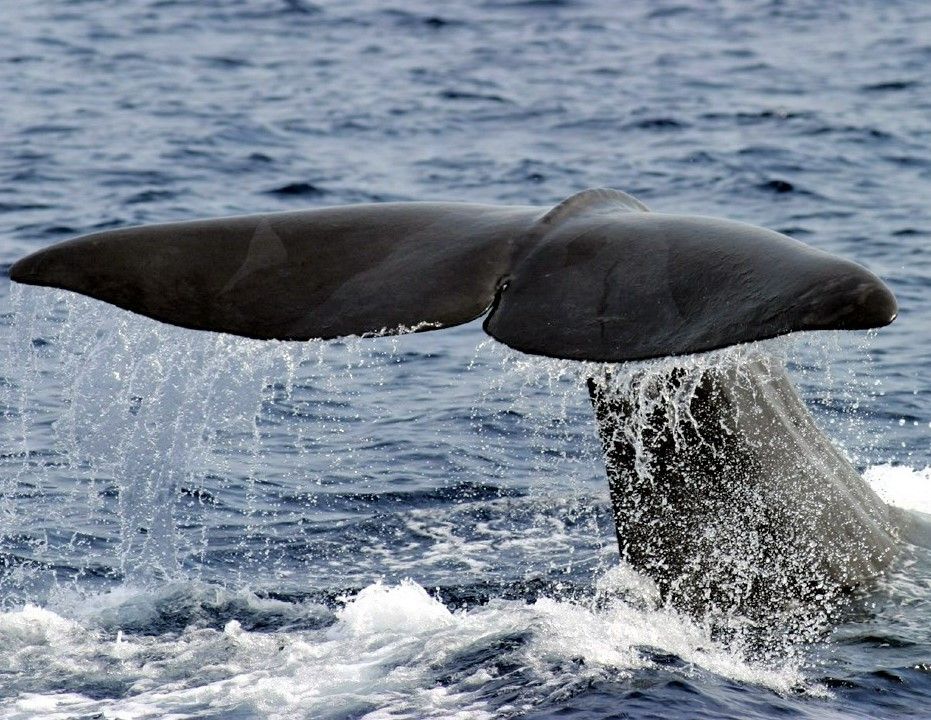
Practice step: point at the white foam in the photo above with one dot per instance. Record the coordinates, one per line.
(35, 627)
(902, 486)
(405, 609)
(394, 651)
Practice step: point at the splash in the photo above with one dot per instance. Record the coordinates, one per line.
(387, 651)
(902, 486)
(143, 453)
(727, 492)
(202, 456)
(149, 425)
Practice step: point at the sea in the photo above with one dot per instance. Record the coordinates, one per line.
(194, 525)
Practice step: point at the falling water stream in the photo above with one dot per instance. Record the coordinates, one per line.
(206, 523)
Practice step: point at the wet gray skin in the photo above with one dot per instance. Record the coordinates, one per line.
(726, 493)
(599, 278)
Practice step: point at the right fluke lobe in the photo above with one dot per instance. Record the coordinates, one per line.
(627, 284)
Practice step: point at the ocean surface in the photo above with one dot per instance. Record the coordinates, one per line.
(199, 526)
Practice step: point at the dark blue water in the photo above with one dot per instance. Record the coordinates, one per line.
(199, 526)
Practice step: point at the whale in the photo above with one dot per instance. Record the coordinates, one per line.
(742, 504)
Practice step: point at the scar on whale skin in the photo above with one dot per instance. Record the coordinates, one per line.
(599, 278)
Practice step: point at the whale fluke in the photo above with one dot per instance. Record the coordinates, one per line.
(598, 277)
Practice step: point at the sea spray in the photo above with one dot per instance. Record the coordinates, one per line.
(183, 442)
(191, 449)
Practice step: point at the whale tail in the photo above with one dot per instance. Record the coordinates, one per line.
(598, 277)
